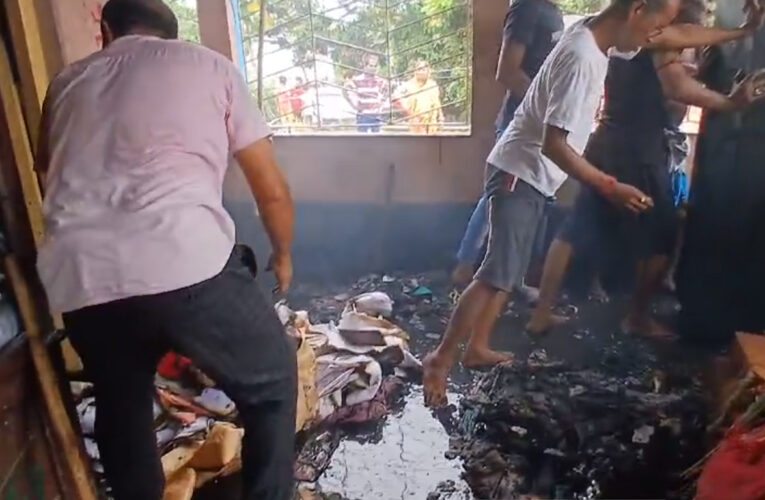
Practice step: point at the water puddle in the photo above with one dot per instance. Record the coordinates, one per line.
(407, 462)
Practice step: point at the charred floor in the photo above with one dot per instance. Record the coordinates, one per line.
(586, 412)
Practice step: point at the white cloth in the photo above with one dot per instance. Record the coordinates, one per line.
(140, 138)
(566, 94)
(345, 380)
(325, 68)
(372, 303)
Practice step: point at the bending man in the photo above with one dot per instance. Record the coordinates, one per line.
(630, 144)
(532, 28)
(543, 144)
(140, 254)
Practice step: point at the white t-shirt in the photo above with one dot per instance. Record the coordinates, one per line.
(566, 94)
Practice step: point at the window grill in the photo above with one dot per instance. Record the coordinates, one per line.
(360, 66)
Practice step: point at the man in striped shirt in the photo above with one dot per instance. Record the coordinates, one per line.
(366, 92)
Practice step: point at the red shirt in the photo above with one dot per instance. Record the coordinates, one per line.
(296, 99)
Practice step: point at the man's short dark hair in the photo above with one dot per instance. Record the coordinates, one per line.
(692, 12)
(126, 16)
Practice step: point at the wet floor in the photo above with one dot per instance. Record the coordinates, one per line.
(404, 456)
(407, 462)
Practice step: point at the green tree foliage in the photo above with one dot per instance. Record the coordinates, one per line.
(401, 32)
(581, 6)
(188, 22)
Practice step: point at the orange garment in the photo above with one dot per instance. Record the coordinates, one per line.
(284, 105)
(422, 102)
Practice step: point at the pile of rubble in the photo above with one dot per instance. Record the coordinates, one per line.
(195, 426)
(423, 302)
(547, 429)
(348, 361)
(349, 372)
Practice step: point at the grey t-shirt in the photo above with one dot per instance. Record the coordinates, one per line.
(537, 25)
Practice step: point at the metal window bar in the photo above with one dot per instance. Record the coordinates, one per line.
(396, 5)
(432, 64)
(350, 45)
(253, 14)
(292, 20)
(348, 67)
(389, 60)
(315, 71)
(448, 104)
(337, 42)
(338, 7)
(392, 121)
(390, 101)
(430, 42)
(301, 41)
(426, 18)
(305, 61)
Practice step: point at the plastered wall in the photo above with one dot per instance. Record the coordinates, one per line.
(363, 203)
(348, 169)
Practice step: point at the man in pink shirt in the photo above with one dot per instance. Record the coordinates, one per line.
(140, 254)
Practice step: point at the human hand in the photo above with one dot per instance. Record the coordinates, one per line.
(755, 14)
(749, 90)
(281, 265)
(629, 197)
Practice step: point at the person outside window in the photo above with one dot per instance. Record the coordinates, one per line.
(367, 92)
(421, 101)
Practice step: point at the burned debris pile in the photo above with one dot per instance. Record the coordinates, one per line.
(423, 302)
(547, 429)
(353, 365)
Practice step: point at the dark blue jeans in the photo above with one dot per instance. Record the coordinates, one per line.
(368, 123)
(473, 241)
(230, 331)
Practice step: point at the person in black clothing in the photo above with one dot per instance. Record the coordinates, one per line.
(531, 30)
(630, 144)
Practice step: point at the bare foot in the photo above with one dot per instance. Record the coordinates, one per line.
(475, 359)
(540, 325)
(462, 274)
(434, 373)
(648, 328)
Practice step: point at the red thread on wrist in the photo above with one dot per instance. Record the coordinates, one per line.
(608, 185)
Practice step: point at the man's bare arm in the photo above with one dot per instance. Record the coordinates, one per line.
(678, 85)
(683, 36)
(555, 146)
(272, 194)
(509, 70)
